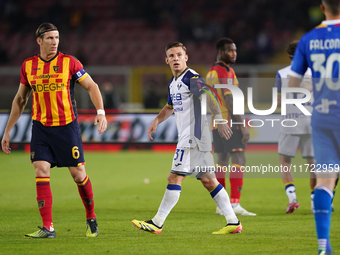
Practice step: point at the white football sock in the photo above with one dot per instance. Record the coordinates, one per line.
(223, 202)
(170, 199)
(290, 191)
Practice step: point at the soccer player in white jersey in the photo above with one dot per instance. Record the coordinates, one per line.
(319, 49)
(194, 141)
(293, 137)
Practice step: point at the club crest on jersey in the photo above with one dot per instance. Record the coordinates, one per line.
(56, 68)
(179, 85)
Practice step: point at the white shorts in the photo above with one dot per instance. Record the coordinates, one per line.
(288, 145)
(189, 161)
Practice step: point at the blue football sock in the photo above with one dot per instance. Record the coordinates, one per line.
(322, 204)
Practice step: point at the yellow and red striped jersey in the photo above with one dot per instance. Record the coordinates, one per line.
(52, 84)
(221, 73)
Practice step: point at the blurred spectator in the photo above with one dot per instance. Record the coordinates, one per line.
(81, 56)
(259, 25)
(111, 100)
(58, 14)
(14, 15)
(151, 96)
(315, 15)
(4, 59)
(79, 21)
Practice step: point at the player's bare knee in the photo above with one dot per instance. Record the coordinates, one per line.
(238, 157)
(285, 159)
(78, 173)
(223, 158)
(175, 179)
(42, 168)
(209, 183)
(328, 180)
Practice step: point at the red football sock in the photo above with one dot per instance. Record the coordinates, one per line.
(220, 174)
(44, 198)
(86, 194)
(236, 183)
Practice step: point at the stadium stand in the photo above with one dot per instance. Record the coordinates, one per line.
(112, 32)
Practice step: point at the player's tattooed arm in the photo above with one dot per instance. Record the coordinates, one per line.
(223, 129)
(214, 108)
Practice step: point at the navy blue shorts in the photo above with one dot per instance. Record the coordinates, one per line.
(234, 144)
(61, 146)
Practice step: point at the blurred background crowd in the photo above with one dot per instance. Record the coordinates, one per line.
(112, 32)
(134, 33)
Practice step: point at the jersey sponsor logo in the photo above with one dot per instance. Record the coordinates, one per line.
(176, 99)
(45, 76)
(294, 116)
(324, 106)
(48, 87)
(179, 164)
(179, 85)
(195, 77)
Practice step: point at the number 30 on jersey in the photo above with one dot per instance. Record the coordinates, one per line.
(327, 71)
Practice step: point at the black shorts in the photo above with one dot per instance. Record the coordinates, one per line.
(234, 144)
(61, 146)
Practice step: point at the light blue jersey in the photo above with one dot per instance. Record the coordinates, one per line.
(320, 50)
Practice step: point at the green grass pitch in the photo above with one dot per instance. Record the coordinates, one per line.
(121, 196)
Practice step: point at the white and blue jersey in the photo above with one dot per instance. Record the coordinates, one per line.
(320, 50)
(292, 111)
(184, 98)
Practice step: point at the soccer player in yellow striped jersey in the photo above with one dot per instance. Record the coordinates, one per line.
(234, 148)
(50, 76)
